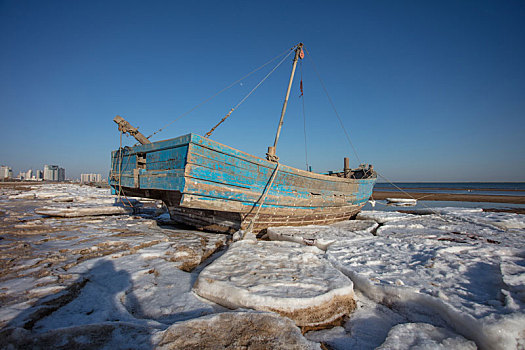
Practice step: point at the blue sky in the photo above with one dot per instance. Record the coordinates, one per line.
(428, 90)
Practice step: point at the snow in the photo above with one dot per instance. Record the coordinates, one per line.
(437, 278)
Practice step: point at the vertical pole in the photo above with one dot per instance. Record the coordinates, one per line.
(347, 167)
(271, 150)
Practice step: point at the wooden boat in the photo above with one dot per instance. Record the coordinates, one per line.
(214, 187)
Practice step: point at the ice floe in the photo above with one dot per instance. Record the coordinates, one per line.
(288, 278)
(383, 216)
(323, 236)
(83, 211)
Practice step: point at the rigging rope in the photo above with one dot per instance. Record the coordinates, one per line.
(120, 190)
(444, 217)
(208, 134)
(333, 106)
(261, 200)
(218, 93)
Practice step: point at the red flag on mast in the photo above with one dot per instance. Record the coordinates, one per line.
(301, 87)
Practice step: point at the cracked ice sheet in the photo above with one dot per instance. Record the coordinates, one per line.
(491, 220)
(369, 326)
(451, 229)
(39, 267)
(66, 198)
(323, 236)
(461, 282)
(53, 191)
(50, 261)
(133, 289)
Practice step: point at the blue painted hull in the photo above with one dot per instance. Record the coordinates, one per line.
(215, 187)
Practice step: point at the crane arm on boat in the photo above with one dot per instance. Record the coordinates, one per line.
(126, 127)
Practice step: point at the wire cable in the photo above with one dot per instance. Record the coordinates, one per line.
(218, 93)
(208, 134)
(333, 106)
(304, 120)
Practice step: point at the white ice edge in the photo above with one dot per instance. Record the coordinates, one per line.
(233, 297)
(484, 336)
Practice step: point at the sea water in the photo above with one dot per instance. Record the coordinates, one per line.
(481, 188)
(476, 188)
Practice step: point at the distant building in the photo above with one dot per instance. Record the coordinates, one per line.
(39, 175)
(54, 173)
(29, 174)
(61, 174)
(5, 172)
(84, 178)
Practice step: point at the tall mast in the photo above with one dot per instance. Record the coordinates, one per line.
(271, 156)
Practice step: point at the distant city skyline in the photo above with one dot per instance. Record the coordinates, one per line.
(47, 172)
(427, 91)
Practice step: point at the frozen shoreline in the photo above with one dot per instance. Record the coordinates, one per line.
(450, 276)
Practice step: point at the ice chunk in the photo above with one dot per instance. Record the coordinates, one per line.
(75, 212)
(236, 330)
(425, 336)
(323, 236)
(25, 195)
(383, 216)
(356, 225)
(402, 202)
(284, 277)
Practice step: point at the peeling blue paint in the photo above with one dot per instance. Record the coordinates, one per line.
(201, 167)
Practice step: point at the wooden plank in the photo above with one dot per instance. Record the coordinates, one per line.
(217, 160)
(221, 221)
(214, 160)
(249, 197)
(172, 158)
(162, 145)
(169, 180)
(220, 169)
(218, 147)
